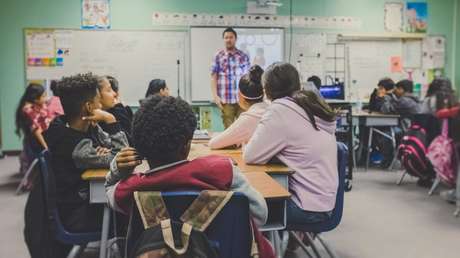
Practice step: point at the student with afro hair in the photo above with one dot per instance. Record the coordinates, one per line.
(162, 133)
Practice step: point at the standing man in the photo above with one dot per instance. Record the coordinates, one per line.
(228, 66)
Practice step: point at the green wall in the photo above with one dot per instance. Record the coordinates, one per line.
(457, 43)
(15, 15)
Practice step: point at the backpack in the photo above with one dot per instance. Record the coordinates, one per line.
(163, 237)
(441, 154)
(412, 153)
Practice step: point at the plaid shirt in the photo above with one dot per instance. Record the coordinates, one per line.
(229, 67)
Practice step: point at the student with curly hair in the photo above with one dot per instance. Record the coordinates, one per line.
(77, 143)
(162, 133)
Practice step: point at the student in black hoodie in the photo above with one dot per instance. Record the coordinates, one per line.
(110, 101)
(77, 143)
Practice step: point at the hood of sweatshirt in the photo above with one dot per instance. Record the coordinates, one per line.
(320, 123)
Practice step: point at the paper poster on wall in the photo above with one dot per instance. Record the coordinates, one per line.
(95, 14)
(396, 64)
(417, 17)
(412, 54)
(40, 48)
(394, 17)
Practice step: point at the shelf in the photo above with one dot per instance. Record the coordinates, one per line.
(381, 36)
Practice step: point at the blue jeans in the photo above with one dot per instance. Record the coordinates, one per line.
(296, 215)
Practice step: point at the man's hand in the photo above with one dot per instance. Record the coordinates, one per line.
(218, 102)
(100, 115)
(127, 159)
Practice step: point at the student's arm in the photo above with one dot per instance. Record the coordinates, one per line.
(257, 205)
(113, 136)
(121, 167)
(267, 140)
(239, 132)
(38, 133)
(86, 155)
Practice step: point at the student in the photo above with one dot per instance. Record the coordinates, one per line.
(162, 132)
(439, 95)
(157, 86)
(110, 100)
(77, 143)
(384, 87)
(54, 103)
(401, 101)
(251, 100)
(32, 119)
(299, 130)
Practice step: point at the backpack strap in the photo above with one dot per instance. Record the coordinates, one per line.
(152, 208)
(205, 208)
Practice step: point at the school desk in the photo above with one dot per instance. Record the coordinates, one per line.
(274, 193)
(373, 120)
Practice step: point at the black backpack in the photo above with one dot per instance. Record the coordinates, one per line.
(163, 237)
(412, 153)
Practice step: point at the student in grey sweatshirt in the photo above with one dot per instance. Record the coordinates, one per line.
(401, 101)
(299, 130)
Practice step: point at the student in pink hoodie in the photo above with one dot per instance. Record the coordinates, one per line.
(299, 130)
(251, 100)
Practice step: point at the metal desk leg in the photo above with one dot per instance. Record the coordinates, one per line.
(395, 148)
(105, 232)
(369, 146)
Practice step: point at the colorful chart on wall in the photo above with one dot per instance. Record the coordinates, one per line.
(133, 57)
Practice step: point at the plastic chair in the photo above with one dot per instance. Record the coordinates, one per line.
(229, 232)
(315, 229)
(26, 180)
(78, 240)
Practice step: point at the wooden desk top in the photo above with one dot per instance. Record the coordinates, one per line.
(201, 149)
(263, 183)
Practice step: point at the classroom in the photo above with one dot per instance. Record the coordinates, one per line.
(230, 128)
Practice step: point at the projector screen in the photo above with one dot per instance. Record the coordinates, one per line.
(264, 46)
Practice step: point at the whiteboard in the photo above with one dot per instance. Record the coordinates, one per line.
(309, 54)
(132, 57)
(205, 42)
(369, 61)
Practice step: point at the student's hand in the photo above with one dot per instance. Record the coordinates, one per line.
(127, 159)
(102, 151)
(100, 115)
(218, 102)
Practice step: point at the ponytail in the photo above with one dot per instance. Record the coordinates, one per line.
(314, 106)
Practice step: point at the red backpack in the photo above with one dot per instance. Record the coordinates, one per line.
(441, 153)
(412, 153)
